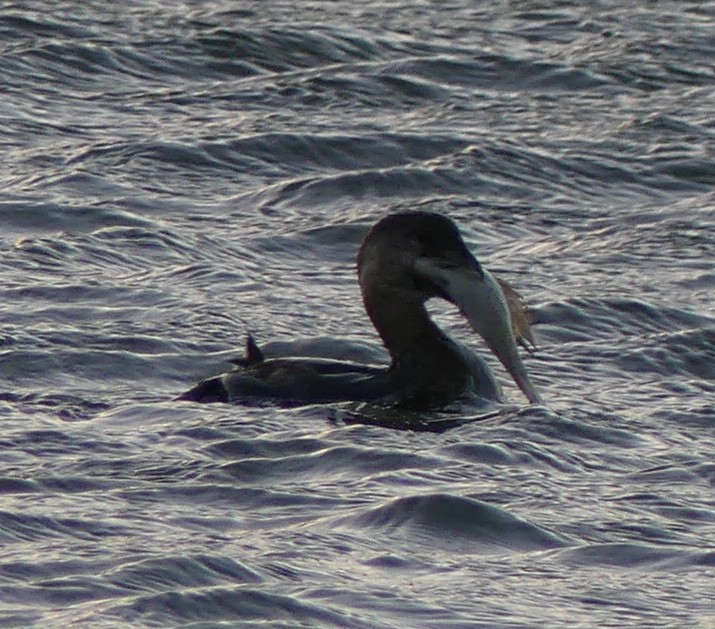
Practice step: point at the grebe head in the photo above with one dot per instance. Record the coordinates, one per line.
(414, 256)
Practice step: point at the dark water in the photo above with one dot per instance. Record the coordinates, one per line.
(173, 173)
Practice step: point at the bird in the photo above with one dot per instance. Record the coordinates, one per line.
(406, 259)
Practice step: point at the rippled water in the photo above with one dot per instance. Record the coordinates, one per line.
(173, 173)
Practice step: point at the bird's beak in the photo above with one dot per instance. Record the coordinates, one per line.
(481, 301)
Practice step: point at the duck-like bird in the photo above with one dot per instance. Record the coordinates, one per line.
(405, 260)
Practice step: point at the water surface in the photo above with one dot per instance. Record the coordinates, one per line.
(174, 174)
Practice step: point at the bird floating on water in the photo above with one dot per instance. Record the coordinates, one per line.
(404, 260)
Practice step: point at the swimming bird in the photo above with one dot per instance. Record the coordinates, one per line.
(405, 259)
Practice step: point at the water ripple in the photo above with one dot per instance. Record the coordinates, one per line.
(176, 174)
(457, 522)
